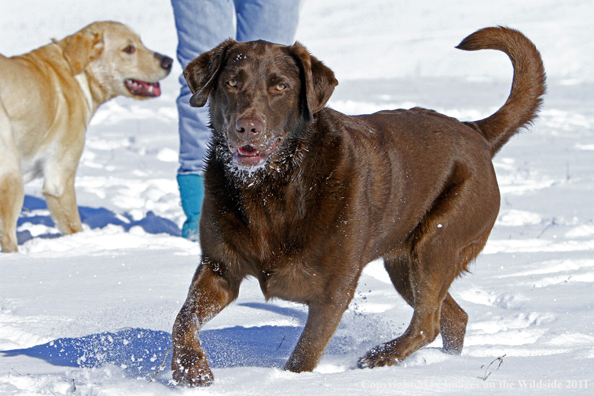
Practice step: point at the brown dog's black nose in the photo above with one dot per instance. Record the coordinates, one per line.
(248, 124)
(166, 62)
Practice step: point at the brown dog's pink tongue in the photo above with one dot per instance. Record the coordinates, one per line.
(247, 150)
(143, 88)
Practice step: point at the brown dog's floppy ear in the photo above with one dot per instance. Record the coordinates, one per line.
(201, 73)
(82, 48)
(317, 81)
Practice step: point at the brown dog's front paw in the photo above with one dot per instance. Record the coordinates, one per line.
(379, 356)
(298, 366)
(191, 369)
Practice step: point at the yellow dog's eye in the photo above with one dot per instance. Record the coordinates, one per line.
(232, 83)
(280, 87)
(130, 49)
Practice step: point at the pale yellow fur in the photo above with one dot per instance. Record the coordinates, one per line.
(47, 98)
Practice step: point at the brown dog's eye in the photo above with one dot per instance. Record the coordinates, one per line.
(130, 49)
(280, 87)
(232, 83)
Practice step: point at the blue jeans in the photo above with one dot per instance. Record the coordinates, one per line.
(202, 25)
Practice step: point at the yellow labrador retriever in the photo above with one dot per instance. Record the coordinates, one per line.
(47, 98)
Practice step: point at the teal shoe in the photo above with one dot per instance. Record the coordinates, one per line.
(191, 191)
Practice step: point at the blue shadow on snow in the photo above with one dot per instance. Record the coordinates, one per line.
(141, 352)
(94, 218)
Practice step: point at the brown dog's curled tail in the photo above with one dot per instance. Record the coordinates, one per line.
(528, 85)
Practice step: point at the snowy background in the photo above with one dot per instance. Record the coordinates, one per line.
(91, 314)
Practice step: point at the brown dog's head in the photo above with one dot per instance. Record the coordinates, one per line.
(114, 55)
(261, 95)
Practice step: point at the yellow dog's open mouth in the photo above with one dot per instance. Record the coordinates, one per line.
(143, 88)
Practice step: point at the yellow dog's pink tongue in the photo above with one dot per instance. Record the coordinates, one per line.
(143, 88)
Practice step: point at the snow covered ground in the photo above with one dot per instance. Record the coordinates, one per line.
(91, 314)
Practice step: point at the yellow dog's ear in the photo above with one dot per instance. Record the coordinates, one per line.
(81, 48)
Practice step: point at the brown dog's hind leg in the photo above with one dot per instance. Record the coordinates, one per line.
(447, 239)
(452, 324)
(424, 292)
(452, 319)
(210, 292)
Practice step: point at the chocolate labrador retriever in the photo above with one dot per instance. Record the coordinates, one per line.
(302, 197)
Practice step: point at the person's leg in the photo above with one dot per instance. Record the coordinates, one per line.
(275, 21)
(201, 25)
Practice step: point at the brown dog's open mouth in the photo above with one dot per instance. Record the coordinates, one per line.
(143, 88)
(249, 156)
